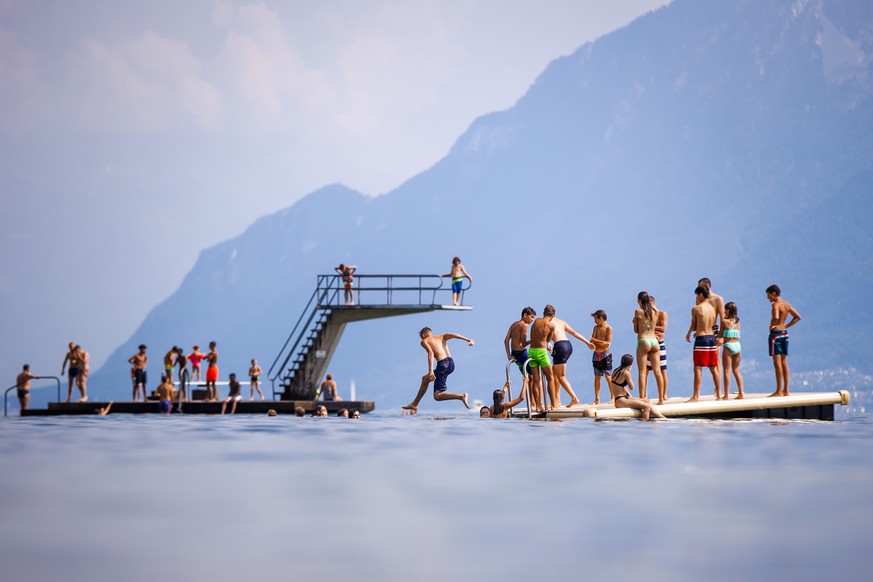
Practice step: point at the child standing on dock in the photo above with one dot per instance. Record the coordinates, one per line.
(457, 273)
(139, 361)
(347, 273)
(778, 339)
(212, 373)
(436, 348)
(195, 357)
(703, 318)
(601, 359)
(255, 380)
(730, 331)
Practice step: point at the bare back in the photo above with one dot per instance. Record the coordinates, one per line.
(437, 344)
(779, 313)
(541, 332)
(518, 335)
(703, 317)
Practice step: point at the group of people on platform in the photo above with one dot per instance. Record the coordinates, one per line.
(543, 346)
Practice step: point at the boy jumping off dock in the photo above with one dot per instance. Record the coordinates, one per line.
(436, 348)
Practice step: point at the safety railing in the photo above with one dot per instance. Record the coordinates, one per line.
(385, 289)
(525, 383)
(14, 386)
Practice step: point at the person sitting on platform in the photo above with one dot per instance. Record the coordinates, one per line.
(622, 383)
(235, 394)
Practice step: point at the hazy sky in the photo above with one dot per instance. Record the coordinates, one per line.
(134, 135)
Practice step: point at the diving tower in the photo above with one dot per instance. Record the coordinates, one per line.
(303, 360)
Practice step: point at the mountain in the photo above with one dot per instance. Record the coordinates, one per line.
(728, 139)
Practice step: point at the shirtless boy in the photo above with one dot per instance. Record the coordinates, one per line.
(139, 361)
(234, 395)
(165, 396)
(184, 375)
(601, 360)
(212, 373)
(255, 380)
(457, 274)
(437, 350)
(660, 328)
(562, 349)
(22, 385)
(703, 317)
(84, 370)
(516, 342)
(778, 339)
(717, 302)
(170, 362)
(73, 358)
(541, 333)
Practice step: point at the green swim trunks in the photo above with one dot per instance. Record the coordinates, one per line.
(540, 357)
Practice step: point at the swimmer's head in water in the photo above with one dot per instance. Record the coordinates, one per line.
(484, 412)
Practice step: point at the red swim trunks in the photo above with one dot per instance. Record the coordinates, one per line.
(706, 351)
(212, 374)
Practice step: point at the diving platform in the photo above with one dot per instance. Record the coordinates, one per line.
(800, 405)
(302, 362)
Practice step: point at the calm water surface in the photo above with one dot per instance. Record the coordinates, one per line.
(394, 497)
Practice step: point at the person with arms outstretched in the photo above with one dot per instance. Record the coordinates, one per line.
(438, 351)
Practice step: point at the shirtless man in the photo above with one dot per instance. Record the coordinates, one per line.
(165, 396)
(139, 361)
(72, 357)
(716, 301)
(170, 362)
(234, 394)
(601, 360)
(516, 342)
(212, 373)
(703, 317)
(660, 328)
(541, 333)
(437, 350)
(184, 375)
(22, 384)
(84, 370)
(457, 274)
(561, 352)
(778, 339)
(255, 380)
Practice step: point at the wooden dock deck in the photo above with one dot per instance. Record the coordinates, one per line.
(801, 405)
(197, 407)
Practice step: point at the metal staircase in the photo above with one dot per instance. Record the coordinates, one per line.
(301, 364)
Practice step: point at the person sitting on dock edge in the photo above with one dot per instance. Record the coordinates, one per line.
(234, 394)
(437, 349)
(622, 382)
(328, 389)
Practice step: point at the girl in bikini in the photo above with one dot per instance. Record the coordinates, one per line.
(648, 348)
(501, 409)
(621, 382)
(730, 355)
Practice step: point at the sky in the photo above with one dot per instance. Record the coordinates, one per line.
(135, 135)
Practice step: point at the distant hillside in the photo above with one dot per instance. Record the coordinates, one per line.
(723, 139)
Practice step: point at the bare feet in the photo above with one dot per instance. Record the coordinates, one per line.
(692, 399)
(598, 402)
(660, 402)
(412, 407)
(776, 394)
(739, 397)
(82, 399)
(464, 400)
(572, 403)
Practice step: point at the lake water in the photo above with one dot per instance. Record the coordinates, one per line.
(392, 497)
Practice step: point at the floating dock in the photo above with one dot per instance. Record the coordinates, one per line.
(801, 405)
(196, 407)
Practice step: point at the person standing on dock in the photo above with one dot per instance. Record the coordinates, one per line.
(212, 373)
(170, 363)
(73, 358)
(601, 359)
(139, 361)
(542, 331)
(648, 349)
(660, 328)
(516, 342)
(562, 349)
(195, 357)
(731, 351)
(457, 273)
(255, 380)
(703, 318)
(184, 376)
(347, 273)
(84, 370)
(437, 349)
(22, 385)
(778, 339)
(328, 389)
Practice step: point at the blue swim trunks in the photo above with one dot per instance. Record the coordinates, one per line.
(520, 357)
(561, 352)
(778, 342)
(442, 371)
(165, 406)
(457, 284)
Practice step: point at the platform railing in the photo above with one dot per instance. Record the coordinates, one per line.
(385, 289)
(14, 386)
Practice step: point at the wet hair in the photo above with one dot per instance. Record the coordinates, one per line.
(343, 412)
(272, 412)
(702, 290)
(353, 412)
(548, 310)
(627, 361)
(484, 412)
(599, 313)
(645, 303)
(705, 281)
(456, 261)
(299, 411)
(775, 290)
(730, 311)
(498, 403)
(424, 330)
(528, 311)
